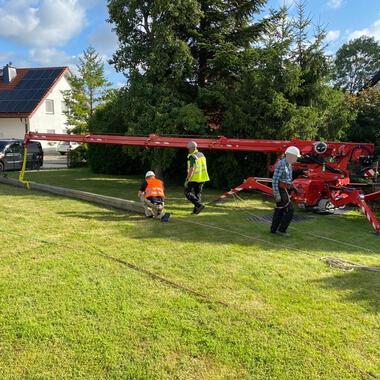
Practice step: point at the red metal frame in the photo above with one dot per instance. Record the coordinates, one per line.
(320, 181)
(221, 143)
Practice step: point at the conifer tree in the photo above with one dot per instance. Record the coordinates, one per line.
(88, 89)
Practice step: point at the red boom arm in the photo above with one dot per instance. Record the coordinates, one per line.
(221, 143)
(320, 183)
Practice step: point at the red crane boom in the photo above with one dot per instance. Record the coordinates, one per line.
(324, 183)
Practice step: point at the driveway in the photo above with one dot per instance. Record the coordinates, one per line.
(54, 160)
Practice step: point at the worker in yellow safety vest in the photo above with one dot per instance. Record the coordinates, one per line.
(196, 177)
(152, 195)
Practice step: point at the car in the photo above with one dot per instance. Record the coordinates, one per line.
(12, 155)
(64, 146)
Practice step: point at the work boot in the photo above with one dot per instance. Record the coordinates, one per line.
(284, 234)
(166, 217)
(199, 209)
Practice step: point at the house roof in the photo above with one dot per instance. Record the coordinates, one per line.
(28, 90)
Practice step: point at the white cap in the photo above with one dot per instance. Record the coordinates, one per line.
(150, 173)
(191, 145)
(293, 150)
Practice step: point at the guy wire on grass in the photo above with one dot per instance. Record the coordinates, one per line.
(332, 261)
(208, 298)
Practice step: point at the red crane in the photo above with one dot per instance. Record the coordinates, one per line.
(325, 178)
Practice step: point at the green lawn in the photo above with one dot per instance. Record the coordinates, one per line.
(66, 311)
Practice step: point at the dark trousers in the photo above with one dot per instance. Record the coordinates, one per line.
(283, 213)
(193, 192)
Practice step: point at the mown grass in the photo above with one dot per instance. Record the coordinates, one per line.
(68, 312)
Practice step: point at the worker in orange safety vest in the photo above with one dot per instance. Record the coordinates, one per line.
(152, 195)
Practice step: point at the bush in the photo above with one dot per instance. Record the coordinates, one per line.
(78, 157)
(112, 159)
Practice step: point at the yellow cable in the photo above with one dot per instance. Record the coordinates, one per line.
(22, 172)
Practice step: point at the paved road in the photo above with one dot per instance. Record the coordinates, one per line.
(54, 160)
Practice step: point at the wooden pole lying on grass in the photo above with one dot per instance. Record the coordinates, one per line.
(118, 203)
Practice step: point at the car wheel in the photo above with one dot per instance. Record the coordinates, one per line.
(36, 166)
(1, 167)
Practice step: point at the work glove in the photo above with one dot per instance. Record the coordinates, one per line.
(186, 182)
(293, 188)
(277, 198)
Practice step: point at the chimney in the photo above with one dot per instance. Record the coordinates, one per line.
(9, 73)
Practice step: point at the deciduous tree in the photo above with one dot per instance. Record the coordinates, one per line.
(356, 62)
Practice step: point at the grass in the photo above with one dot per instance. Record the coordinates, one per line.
(68, 312)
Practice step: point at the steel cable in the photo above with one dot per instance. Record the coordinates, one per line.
(208, 298)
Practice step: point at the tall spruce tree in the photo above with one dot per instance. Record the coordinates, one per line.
(186, 44)
(203, 67)
(181, 58)
(88, 89)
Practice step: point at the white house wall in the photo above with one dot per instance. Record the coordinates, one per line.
(44, 122)
(12, 128)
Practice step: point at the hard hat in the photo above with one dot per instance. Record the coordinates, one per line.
(150, 173)
(293, 150)
(192, 144)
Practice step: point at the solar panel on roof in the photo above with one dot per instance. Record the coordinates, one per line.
(27, 106)
(55, 73)
(33, 74)
(4, 106)
(37, 94)
(22, 84)
(12, 95)
(25, 96)
(15, 106)
(46, 83)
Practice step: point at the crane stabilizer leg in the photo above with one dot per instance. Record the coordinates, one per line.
(370, 216)
(357, 198)
(250, 183)
(372, 196)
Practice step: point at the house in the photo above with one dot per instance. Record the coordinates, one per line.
(31, 100)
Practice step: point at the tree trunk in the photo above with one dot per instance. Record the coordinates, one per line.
(158, 171)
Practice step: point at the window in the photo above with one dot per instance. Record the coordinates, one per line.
(49, 106)
(63, 107)
(15, 148)
(50, 131)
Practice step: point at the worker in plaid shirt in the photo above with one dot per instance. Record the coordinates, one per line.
(281, 183)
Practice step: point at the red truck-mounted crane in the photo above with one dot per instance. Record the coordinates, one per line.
(324, 181)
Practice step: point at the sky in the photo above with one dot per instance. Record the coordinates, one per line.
(46, 33)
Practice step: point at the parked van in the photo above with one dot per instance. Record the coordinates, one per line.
(12, 155)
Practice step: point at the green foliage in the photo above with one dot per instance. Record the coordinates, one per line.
(89, 89)
(209, 67)
(366, 126)
(356, 62)
(77, 158)
(286, 95)
(114, 159)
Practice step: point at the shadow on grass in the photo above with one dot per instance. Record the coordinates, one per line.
(359, 287)
(232, 220)
(223, 226)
